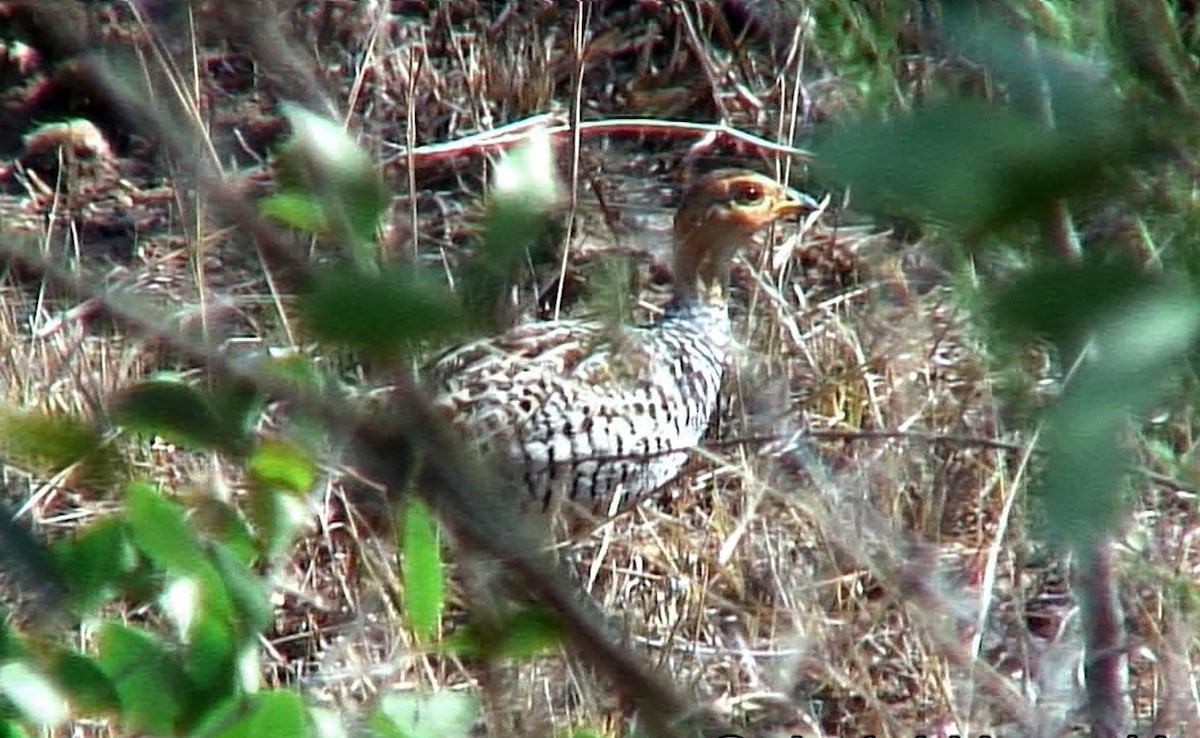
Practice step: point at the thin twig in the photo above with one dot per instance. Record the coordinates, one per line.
(555, 126)
(1106, 669)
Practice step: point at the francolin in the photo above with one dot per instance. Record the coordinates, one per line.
(587, 410)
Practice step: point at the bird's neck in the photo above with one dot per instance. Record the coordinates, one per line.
(701, 273)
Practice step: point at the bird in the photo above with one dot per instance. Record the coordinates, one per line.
(605, 415)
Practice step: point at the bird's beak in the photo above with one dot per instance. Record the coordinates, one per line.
(796, 203)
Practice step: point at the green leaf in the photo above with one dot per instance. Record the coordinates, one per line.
(299, 369)
(34, 696)
(86, 686)
(12, 729)
(969, 164)
(11, 644)
(94, 563)
(239, 407)
(217, 719)
(1136, 348)
(440, 715)
(296, 210)
(302, 371)
(281, 476)
(183, 415)
(524, 634)
(424, 580)
(160, 530)
(249, 593)
(526, 177)
(163, 535)
(283, 467)
(322, 161)
(226, 523)
(48, 444)
(151, 684)
(526, 189)
(210, 660)
(609, 291)
(381, 314)
(181, 602)
(1062, 301)
(280, 712)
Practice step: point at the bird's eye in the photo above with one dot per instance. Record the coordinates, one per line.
(748, 194)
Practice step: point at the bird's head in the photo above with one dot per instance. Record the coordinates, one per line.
(720, 212)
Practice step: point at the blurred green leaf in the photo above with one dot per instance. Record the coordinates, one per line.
(277, 516)
(249, 593)
(35, 696)
(85, 684)
(1146, 33)
(284, 467)
(524, 634)
(969, 164)
(526, 177)
(210, 660)
(150, 682)
(439, 715)
(1035, 66)
(526, 188)
(381, 314)
(297, 368)
(182, 414)
(240, 408)
(1135, 349)
(296, 210)
(424, 580)
(227, 524)
(279, 713)
(94, 563)
(48, 444)
(1063, 301)
(161, 532)
(281, 476)
(180, 602)
(303, 371)
(342, 178)
(12, 729)
(11, 644)
(216, 718)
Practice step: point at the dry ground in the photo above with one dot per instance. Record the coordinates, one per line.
(850, 553)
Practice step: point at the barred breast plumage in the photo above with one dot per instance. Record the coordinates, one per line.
(587, 410)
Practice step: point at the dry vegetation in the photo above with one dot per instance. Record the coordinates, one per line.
(851, 554)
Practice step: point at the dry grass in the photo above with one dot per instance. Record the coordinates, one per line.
(850, 554)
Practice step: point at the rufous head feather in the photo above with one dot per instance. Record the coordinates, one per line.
(721, 212)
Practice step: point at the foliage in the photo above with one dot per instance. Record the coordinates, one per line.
(204, 566)
(1057, 132)
(981, 175)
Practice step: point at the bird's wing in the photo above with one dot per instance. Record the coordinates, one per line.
(586, 352)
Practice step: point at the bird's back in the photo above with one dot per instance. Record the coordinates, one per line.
(587, 410)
